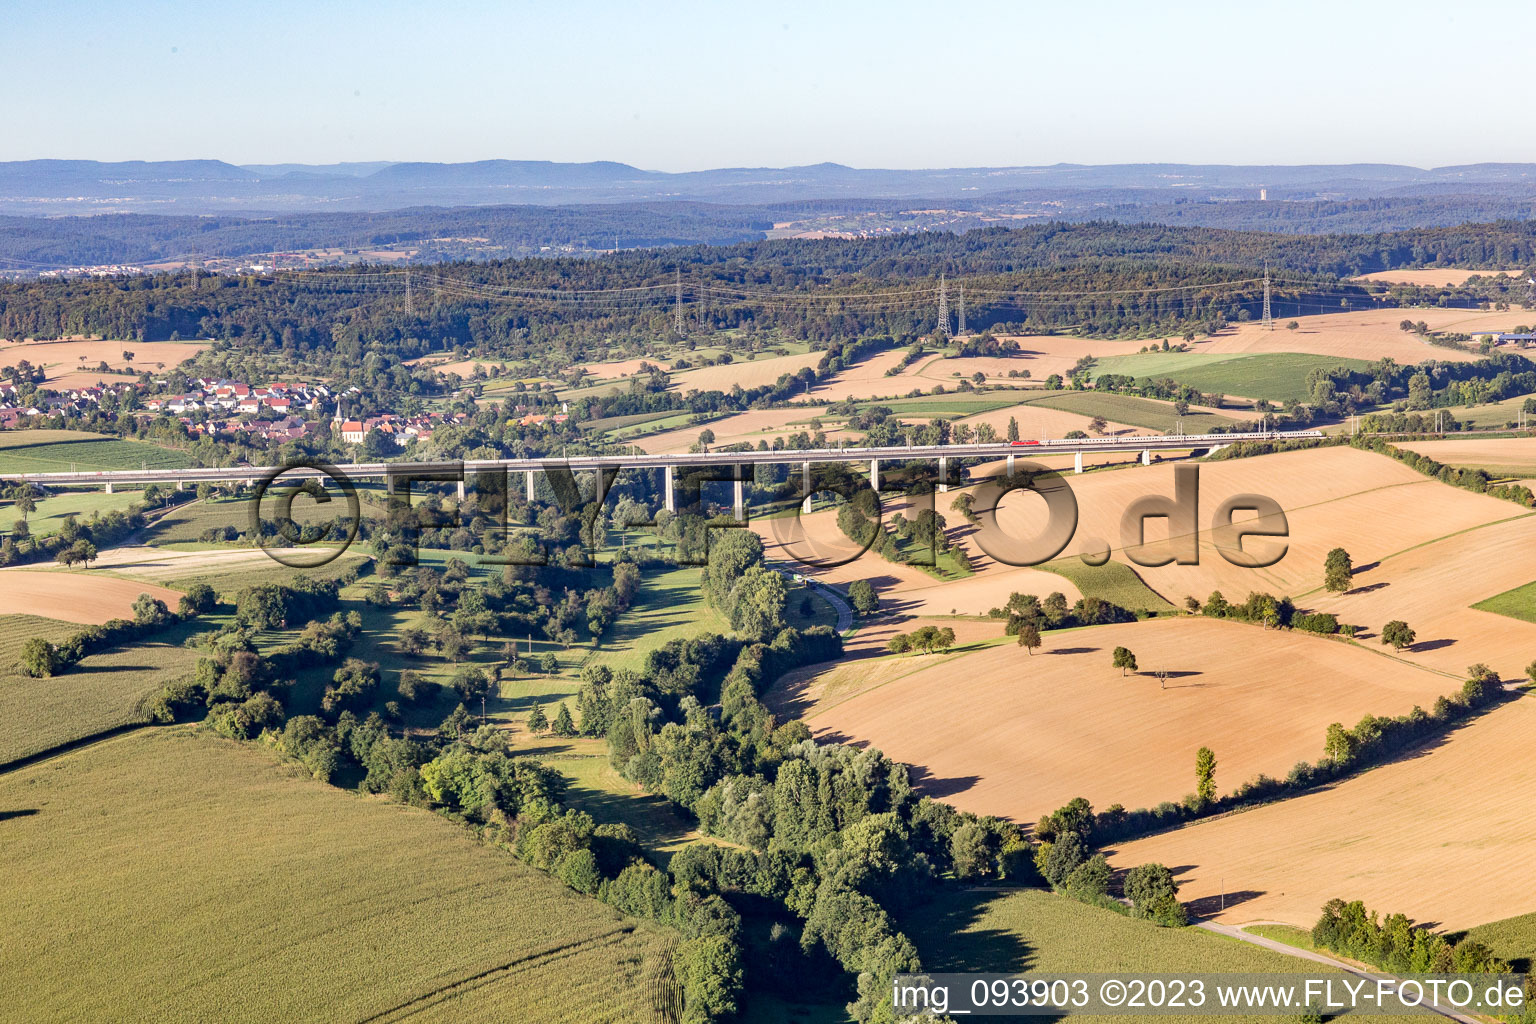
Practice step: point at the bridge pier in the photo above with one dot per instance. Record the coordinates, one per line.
(599, 486)
(1077, 462)
(461, 490)
(874, 475)
(1010, 465)
(805, 485)
(669, 496)
(741, 497)
(529, 474)
(1146, 456)
(943, 475)
(109, 486)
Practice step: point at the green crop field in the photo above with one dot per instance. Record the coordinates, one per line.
(191, 878)
(1138, 412)
(1519, 603)
(24, 452)
(1041, 932)
(1513, 939)
(1113, 581)
(101, 692)
(16, 630)
(1277, 376)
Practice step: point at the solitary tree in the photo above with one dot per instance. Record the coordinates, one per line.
(862, 594)
(563, 726)
(1337, 570)
(25, 503)
(39, 657)
(1530, 672)
(537, 720)
(1098, 424)
(1029, 639)
(1124, 660)
(1013, 429)
(1397, 633)
(1205, 775)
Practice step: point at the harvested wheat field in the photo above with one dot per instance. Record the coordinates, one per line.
(85, 597)
(614, 369)
(1001, 732)
(867, 379)
(1037, 421)
(1502, 456)
(1363, 334)
(905, 590)
(74, 363)
(1040, 354)
(749, 373)
(1443, 277)
(1369, 504)
(756, 425)
(465, 367)
(1433, 586)
(1445, 837)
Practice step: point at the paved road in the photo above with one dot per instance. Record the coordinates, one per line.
(834, 597)
(1306, 954)
(843, 608)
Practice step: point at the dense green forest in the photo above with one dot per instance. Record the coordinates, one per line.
(1102, 278)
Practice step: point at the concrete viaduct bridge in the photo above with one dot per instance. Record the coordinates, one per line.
(605, 466)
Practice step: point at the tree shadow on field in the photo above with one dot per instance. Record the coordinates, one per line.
(25, 812)
(1368, 588)
(84, 670)
(1071, 650)
(928, 784)
(1367, 567)
(1430, 645)
(947, 938)
(1209, 906)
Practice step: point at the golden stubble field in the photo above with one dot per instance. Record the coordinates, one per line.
(85, 596)
(1002, 732)
(1511, 456)
(72, 364)
(1444, 835)
(1363, 334)
(749, 373)
(1423, 551)
(1443, 277)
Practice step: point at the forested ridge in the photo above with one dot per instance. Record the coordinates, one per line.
(1099, 277)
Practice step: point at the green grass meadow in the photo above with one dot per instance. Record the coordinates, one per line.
(1113, 581)
(1519, 603)
(51, 509)
(1277, 376)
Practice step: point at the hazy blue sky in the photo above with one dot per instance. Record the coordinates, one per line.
(679, 86)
